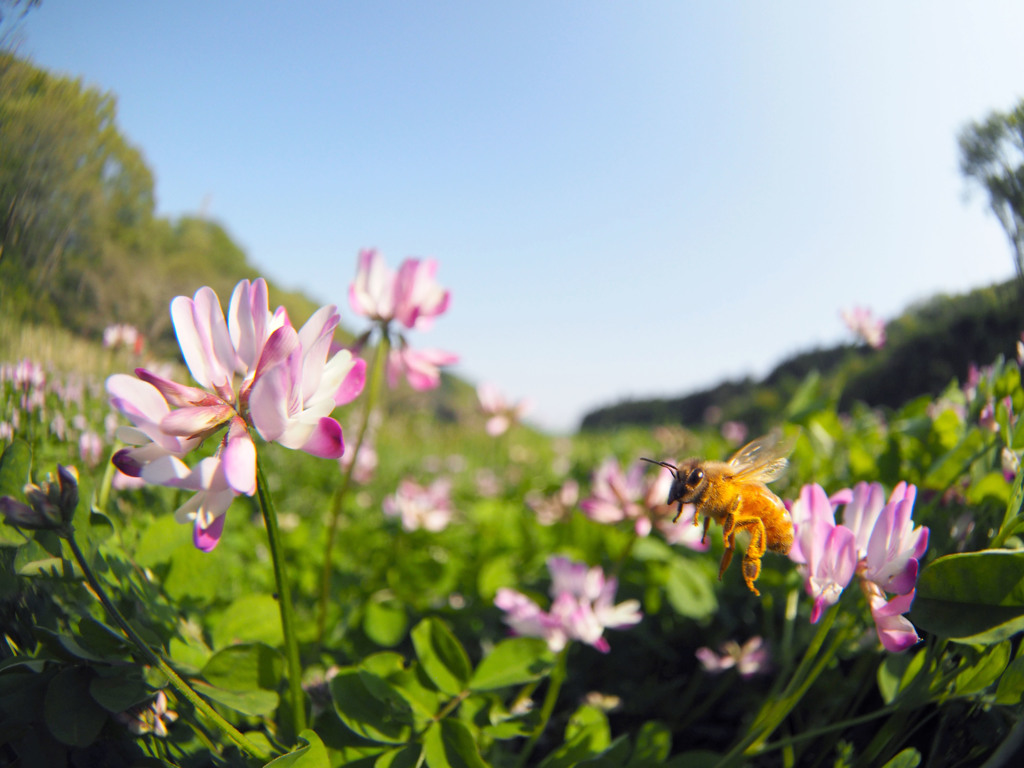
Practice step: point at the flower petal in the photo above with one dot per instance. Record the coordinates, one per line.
(326, 441)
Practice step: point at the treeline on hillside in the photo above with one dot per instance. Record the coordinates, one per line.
(80, 244)
(928, 346)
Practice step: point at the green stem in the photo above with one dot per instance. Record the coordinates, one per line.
(827, 729)
(284, 595)
(554, 687)
(776, 708)
(157, 661)
(380, 356)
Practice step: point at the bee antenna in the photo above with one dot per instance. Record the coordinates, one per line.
(671, 467)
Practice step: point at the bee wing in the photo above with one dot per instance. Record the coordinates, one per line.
(761, 460)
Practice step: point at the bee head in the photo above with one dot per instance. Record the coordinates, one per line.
(688, 481)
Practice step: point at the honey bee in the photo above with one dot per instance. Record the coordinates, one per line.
(733, 494)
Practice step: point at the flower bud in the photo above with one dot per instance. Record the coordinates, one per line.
(51, 504)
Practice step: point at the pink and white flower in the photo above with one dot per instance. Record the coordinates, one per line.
(413, 298)
(749, 659)
(422, 367)
(582, 607)
(864, 324)
(633, 495)
(877, 542)
(501, 414)
(427, 507)
(254, 369)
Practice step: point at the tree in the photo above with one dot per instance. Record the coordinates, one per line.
(70, 184)
(992, 154)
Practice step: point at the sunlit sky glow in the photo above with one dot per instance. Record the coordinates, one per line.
(626, 199)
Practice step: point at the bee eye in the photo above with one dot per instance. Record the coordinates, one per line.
(695, 477)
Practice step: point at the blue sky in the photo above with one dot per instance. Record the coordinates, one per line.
(626, 199)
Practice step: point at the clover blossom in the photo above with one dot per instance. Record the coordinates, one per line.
(557, 507)
(749, 659)
(152, 718)
(427, 507)
(121, 335)
(864, 324)
(254, 370)
(582, 607)
(827, 551)
(877, 542)
(412, 297)
(421, 367)
(616, 495)
(501, 413)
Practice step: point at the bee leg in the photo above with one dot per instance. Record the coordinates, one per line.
(726, 559)
(755, 550)
(707, 522)
(728, 538)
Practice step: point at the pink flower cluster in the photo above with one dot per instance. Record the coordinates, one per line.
(121, 335)
(501, 413)
(427, 507)
(877, 542)
(749, 659)
(865, 325)
(616, 495)
(254, 369)
(413, 298)
(581, 609)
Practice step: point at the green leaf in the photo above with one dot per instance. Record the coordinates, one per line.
(1013, 508)
(243, 667)
(587, 735)
(449, 744)
(252, 702)
(385, 622)
(50, 566)
(1010, 690)
(72, 715)
(977, 597)
(387, 720)
(119, 688)
(653, 745)
(689, 589)
(495, 573)
(441, 655)
(313, 755)
(15, 466)
(100, 526)
(159, 541)
(254, 618)
(403, 757)
(102, 638)
(896, 672)
(187, 656)
(516, 661)
(194, 574)
(975, 677)
(908, 758)
(615, 756)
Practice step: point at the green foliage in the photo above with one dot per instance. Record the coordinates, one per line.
(78, 223)
(928, 346)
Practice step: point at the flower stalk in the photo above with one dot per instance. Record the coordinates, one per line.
(776, 708)
(291, 642)
(380, 356)
(157, 661)
(558, 674)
